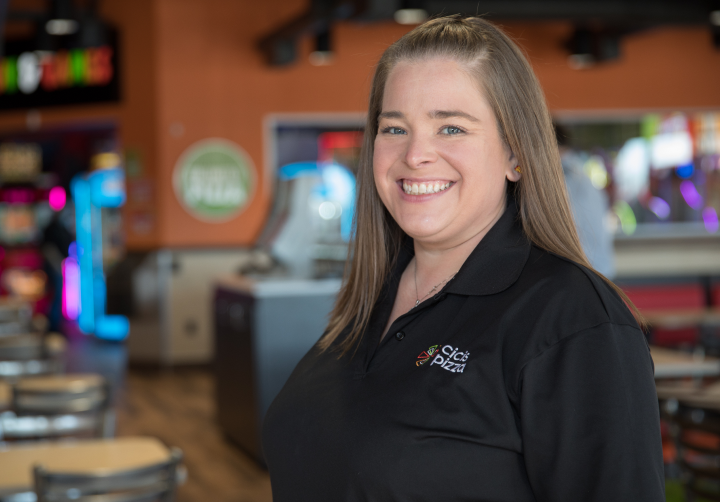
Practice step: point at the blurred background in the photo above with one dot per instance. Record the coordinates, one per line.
(177, 182)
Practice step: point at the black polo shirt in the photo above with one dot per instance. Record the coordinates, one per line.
(526, 378)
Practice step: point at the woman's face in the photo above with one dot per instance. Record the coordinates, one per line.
(439, 164)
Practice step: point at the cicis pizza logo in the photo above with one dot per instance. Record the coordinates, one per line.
(427, 355)
(448, 357)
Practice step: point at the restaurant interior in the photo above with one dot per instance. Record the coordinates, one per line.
(175, 173)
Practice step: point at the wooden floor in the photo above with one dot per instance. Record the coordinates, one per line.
(177, 406)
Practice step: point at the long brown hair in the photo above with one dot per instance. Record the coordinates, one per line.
(525, 125)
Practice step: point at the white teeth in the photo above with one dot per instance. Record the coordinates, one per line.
(422, 188)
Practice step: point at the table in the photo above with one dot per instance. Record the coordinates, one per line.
(675, 364)
(75, 456)
(690, 394)
(682, 318)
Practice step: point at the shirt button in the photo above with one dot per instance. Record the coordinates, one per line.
(399, 335)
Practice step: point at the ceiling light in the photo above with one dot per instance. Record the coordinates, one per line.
(410, 16)
(581, 61)
(61, 26)
(320, 58)
(323, 54)
(715, 18)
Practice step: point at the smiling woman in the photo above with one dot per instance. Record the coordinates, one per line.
(473, 353)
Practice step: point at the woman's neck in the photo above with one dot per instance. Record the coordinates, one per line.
(435, 264)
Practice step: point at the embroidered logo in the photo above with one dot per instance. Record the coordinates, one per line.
(427, 355)
(448, 357)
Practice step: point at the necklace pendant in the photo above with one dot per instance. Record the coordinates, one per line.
(417, 302)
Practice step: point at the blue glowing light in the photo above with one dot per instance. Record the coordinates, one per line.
(685, 172)
(298, 169)
(80, 188)
(104, 188)
(340, 185)
(112, 327)
(108, 187)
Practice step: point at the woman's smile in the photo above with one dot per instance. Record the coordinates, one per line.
(416, 190)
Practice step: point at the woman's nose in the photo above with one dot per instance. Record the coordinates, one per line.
(420, 151)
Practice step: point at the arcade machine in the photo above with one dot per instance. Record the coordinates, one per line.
(307, 237)
(27, 201)
(37, 216)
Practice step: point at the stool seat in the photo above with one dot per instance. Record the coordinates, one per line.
(69, 382)
(92, 456)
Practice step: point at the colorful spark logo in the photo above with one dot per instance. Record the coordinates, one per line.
(427, 355)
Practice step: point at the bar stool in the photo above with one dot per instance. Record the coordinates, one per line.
(15, 316)
(694, 418)
(59, 405)
(31, 354)
(139, 484)
(119, 469)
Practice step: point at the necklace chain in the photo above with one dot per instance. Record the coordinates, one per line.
(417, 295)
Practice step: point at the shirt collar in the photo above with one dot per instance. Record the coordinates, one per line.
(495, 263)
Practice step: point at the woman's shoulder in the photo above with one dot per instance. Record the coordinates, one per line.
(564, 297)
(558, 301)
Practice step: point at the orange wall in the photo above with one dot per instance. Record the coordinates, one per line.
(191, 71)
(135, 115)
(672, 67)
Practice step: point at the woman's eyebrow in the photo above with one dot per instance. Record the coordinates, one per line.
(444, 114)
(391, 115)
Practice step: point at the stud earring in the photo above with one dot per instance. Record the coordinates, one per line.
(517, 168)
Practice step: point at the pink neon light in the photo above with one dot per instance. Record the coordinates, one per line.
(710, 218)
(57, 198)
(71, 289)
(18, 195)
(691, 195)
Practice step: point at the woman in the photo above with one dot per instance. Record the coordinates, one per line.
(473, 354)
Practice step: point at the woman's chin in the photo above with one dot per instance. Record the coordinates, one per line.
(425, 232)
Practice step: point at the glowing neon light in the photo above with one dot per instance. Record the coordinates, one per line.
(57, 198)
(56, 70)
(71, 289)
(18, 195)
(112, 327)
(691, 195)
(659, 207)
(83, 229)
(710, 218)
(624, 212)
(685, 172)
(91, 193)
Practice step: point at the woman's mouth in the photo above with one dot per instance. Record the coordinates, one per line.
(425, 187)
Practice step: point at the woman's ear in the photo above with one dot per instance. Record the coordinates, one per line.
(514, 171)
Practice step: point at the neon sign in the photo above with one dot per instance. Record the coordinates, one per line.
(56, 70)
(33, 78)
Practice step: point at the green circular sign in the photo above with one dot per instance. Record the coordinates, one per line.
(214, 180)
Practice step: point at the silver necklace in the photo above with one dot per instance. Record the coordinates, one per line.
(417, 295)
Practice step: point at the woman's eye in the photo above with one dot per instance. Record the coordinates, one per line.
(393, 130)
(451, 130)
